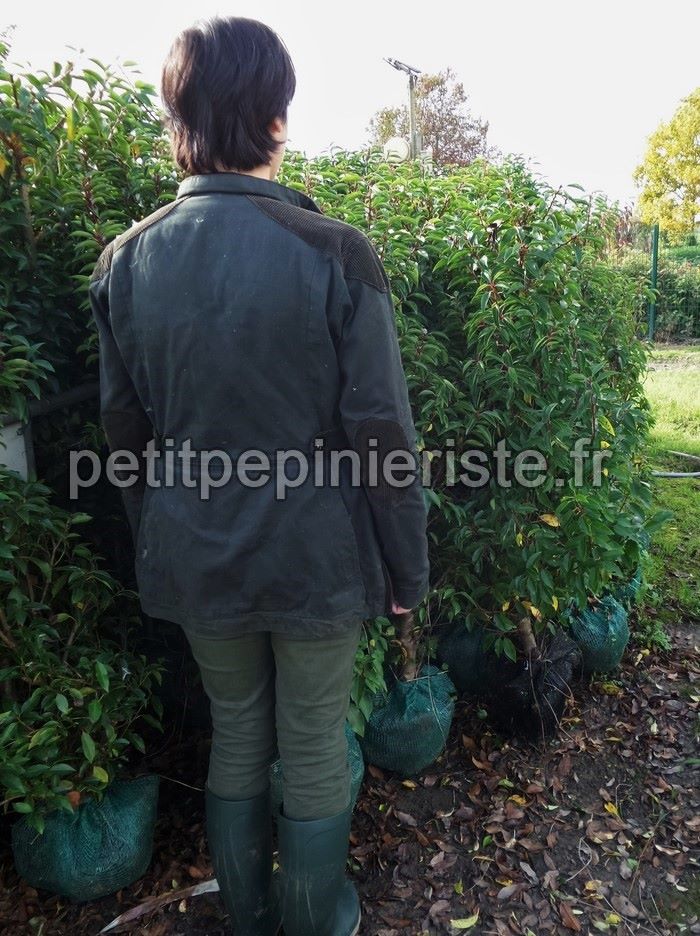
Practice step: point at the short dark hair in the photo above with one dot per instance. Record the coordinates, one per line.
(224, 80)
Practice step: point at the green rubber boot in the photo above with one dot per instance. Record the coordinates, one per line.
(317, 898)
(240, 842)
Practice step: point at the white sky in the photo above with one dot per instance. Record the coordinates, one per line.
(577, 87)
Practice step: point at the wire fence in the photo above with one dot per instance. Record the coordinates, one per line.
(676, 313)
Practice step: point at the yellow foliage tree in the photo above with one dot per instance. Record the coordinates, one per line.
(670, 173)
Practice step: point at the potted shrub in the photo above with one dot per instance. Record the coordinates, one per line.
(410, 720)
(71, 697)
(602, 632)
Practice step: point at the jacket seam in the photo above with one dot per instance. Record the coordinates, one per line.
(123, 239)
(307, 341)
(384, 292)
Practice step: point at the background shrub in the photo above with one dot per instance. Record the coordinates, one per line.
(689, 253)
(678, 293)
(82, 154)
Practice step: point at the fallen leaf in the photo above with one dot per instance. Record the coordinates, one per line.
(405, 819)
(439, 907)
(567, 917)
(154, 903)
(466, 923)
(509, 891)
(624, 906)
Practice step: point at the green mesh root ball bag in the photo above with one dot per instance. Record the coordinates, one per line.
(95, 851)
(602, 633)
(472, 668)
(355, 762)
(628, 594)
(409, 725)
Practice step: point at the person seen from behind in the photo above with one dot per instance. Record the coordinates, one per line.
(240, 317)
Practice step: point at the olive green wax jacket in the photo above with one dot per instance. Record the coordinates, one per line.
(240, 318)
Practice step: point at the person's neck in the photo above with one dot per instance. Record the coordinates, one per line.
(260, 172)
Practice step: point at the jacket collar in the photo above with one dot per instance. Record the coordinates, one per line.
(240, 184)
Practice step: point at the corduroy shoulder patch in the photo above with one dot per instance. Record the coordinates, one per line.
(347, 244)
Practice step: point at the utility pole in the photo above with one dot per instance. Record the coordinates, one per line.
(415, 141)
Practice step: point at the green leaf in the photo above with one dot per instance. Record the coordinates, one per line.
(88, 746)
(62, 769)
(22, 807)
(99, 773)
(102, 675)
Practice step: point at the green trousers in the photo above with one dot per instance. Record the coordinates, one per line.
(271, 695)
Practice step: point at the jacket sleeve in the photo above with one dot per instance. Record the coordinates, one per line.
(376, 417)
(124, 420)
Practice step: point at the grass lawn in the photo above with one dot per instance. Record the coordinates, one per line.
(673, 571)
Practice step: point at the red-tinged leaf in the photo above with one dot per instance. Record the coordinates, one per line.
(422, 839)
(567, 918)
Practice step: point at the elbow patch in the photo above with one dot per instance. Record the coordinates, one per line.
(127, 431)
(386, 457)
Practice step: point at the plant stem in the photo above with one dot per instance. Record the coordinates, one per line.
(5, 634)
(527, 636)
(408, 639)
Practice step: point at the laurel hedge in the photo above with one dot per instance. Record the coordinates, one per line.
(516, 330)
